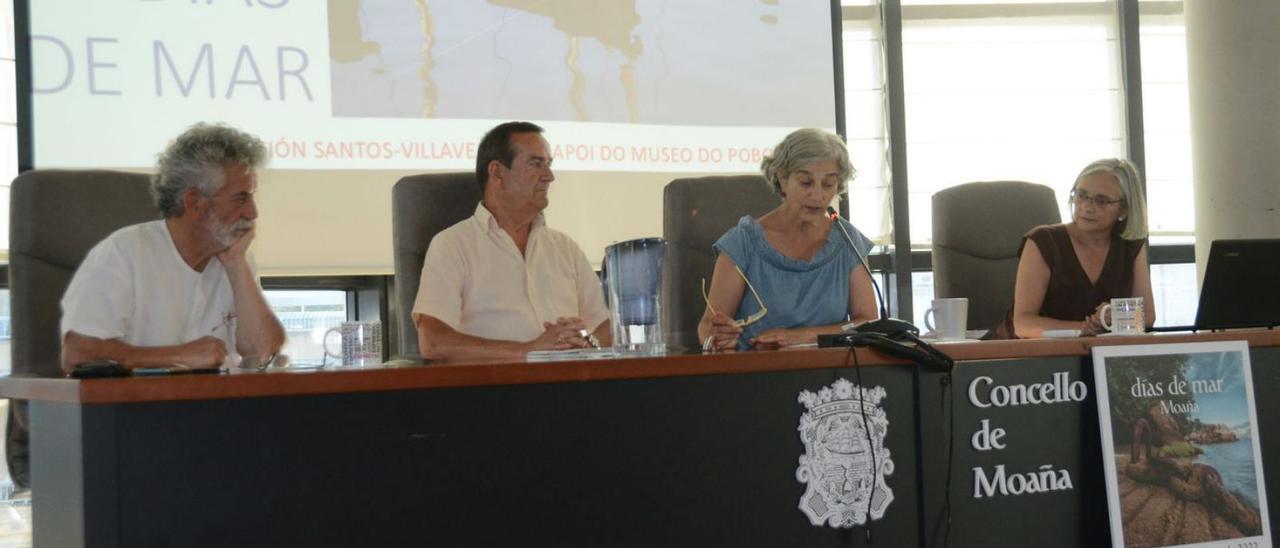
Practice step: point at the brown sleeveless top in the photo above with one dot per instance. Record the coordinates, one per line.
(1070, 295)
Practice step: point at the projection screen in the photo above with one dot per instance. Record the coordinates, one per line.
(351, 95)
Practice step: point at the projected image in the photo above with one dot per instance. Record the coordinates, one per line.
(353, 94)
(747, 63)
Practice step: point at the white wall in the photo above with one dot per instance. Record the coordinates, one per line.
(1233, 61)
(339, 222)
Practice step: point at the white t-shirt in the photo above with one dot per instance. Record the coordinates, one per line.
(475, 280)
(134, 286)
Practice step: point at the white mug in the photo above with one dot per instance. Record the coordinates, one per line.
(952, 316)
(361, 343)
(1126, 316)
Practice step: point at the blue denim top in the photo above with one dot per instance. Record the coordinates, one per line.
(797, 293)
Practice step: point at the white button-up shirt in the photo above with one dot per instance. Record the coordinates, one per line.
(475, 280)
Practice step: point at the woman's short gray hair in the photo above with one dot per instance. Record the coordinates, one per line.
(805, 146)
(197, 159)
(1134, 224)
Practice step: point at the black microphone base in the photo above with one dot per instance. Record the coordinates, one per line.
(843, 340)
(905, 345)
(888, 327)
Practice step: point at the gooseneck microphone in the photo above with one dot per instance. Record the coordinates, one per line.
(884, 325)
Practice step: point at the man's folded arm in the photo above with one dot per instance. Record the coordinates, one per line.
(438, 341)
(203, 352)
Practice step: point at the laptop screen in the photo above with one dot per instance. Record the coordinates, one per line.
(1241, 285)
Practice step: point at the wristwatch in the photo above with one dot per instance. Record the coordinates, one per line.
(590, 338)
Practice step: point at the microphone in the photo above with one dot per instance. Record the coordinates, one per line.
(885, 325)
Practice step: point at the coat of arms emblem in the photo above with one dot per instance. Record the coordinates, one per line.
(845, 461)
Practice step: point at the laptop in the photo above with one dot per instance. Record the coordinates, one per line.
(1241, 287)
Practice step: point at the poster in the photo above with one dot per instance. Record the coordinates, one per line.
(1180, 448)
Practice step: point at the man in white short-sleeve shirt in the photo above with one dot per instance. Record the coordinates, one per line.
(501, 283)
(179, 291)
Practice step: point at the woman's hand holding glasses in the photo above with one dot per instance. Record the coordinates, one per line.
(725, 330)
(724, 334)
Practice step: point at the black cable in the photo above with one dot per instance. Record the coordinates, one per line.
(866, 429)
(951, 450)
(921, 353)
(947, 404)
(845, 534)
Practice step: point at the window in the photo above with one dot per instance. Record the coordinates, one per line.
(1023, 90)
(998, 93)
(864, 103)
(922, 287)
(6, 334)
(307, 316)
(1166, 121)
(8, 121)
(1175, 290)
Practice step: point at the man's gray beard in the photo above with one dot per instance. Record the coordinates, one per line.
(224, 234)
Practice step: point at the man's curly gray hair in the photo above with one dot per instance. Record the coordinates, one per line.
(197, 159)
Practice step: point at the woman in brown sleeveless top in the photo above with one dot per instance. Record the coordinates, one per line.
(1067, 272)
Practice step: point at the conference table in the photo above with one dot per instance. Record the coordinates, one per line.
(681, 450)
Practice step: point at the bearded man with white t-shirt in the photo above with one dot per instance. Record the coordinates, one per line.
(501, 283)
(181, 290)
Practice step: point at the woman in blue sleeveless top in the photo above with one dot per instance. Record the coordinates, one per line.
(783, 279)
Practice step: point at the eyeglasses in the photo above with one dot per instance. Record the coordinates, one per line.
(1081, 196)
(749, 319)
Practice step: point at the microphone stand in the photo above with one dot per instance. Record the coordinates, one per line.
(884, 325)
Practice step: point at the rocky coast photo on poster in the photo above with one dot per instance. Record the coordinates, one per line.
(1180, 445)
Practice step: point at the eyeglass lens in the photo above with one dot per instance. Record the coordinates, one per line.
(1081, 196)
